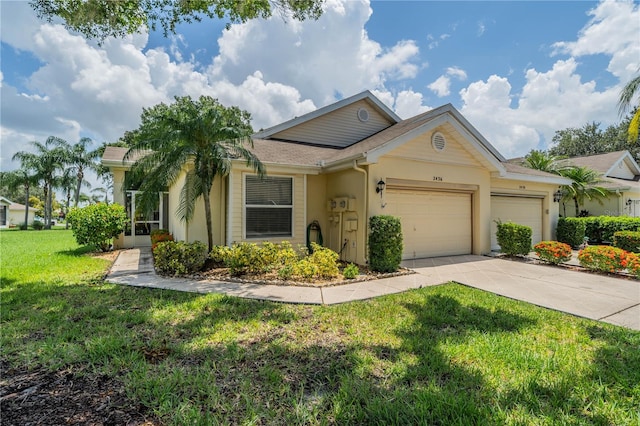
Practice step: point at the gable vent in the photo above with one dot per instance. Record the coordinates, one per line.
(363, 115)
(438, 141)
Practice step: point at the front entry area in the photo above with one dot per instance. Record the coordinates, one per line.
(138, 230)
(433, 223)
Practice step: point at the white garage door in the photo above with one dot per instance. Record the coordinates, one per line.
(523, 211)
(433, 223)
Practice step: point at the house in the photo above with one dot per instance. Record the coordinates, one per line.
(12, 214)
(620, 177)
(348, 161)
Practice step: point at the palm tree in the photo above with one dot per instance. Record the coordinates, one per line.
(584, 184)
(625, 103)
(543, 161)
(80, 160)
(101, 194)
(202, 136)
(47, 161)
(23, 177)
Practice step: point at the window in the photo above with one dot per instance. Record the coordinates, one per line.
(268, 207)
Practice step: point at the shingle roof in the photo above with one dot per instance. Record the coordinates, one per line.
(600, 162)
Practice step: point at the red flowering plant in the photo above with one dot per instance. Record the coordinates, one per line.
(603, 258)
(553, 251)
(633, 264)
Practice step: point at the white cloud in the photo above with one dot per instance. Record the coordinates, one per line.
(405, 103)
(442, 85)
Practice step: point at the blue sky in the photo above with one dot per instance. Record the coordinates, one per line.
(518, 71)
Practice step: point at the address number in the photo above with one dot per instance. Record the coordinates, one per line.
(437, 178)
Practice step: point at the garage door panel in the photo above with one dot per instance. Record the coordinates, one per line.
(433, 223)
(520, 210)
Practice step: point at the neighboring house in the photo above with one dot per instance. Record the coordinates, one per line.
(12, 214)
(620, 176)
(351, 160)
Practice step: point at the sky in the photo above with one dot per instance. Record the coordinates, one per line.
(518, 71)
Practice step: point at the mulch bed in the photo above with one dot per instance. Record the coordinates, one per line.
(66, 397)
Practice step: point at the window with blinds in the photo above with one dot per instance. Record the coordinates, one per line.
(268, 207)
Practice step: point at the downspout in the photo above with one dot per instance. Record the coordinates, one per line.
(366, 205)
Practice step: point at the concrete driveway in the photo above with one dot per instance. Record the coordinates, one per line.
(603, 298)
(599, 297)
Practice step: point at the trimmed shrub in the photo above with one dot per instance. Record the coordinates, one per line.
(23, 226)
(627, 240)
(97, 224)
(514, 239)
(553, 252)
(603, 258)
(633, 264)
(385, 243)
(600, 229)
(177, 258)
(37, 225)
(350, 271)
(571, 231)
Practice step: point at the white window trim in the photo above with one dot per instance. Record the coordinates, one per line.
(245, 205)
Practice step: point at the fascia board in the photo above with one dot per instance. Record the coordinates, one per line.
(555, 180)
(284, 168)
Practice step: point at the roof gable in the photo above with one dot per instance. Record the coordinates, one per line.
(445, 117)
(618, 164)
(337, 125)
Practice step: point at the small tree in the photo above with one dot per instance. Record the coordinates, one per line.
(98, 224)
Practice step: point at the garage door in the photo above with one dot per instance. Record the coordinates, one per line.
(523, 211)
(433, 223)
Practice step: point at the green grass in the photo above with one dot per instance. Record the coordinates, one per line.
(440, 355)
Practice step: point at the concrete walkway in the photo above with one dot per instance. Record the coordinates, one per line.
(598, 297)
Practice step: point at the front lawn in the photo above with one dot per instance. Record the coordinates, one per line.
(439, 355)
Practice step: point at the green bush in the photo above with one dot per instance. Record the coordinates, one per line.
(627, 240)
(177, 258)
(158, 236)
(37, 225)
(385, 243)
(23, 226)
(325, 260)
(571, 230)
(553, 252)
(600, 229)
(514, 239)
(350, 271)
(97, 224)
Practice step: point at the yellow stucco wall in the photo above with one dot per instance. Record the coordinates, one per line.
(235, 225)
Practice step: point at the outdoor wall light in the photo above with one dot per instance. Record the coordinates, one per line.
(628, 203)
(380, 187)
(557, 196)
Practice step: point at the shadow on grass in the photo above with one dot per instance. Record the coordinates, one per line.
(80, 251)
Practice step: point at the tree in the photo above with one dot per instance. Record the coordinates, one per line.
(202, 136)
(100, 19)
(24, 178)
(80, 160)
(625, 103)
(47, 161)
(584, 184)
(67, 182)
(543, 161)
(590, 139)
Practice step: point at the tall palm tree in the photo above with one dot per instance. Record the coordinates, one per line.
(24, 177)
(584, 185)
(626, 102)
(47, 160)
(80, 160)
(200, 136)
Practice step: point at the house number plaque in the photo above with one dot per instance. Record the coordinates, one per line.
(437, 178)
